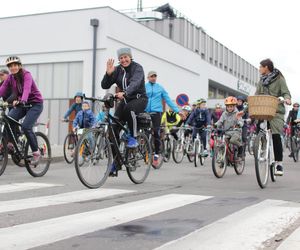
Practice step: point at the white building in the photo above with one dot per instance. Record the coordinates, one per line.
(57, 48)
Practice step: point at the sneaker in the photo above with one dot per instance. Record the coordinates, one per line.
(113, 171)
(35, 158)
(291, 155)
(205, 153)
(132, 142)
(279, 170)
(155, 161)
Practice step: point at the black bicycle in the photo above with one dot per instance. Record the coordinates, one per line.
(94, 156)
(19, 148)
(295, 142)
(70, 144)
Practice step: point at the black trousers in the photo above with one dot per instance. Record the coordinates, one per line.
(277, 147)
(156, 120)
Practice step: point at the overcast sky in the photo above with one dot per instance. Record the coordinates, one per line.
(254, 29)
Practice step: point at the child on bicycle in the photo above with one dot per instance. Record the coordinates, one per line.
(84, 118)
(230, 120)
(171, 119)
(199, 119)
(76, 106)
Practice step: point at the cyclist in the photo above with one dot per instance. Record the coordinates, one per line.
(216, 114)
(171, 119)
(130, 79)
(292, 120)
(9, 95)
(156, 94)
(199, 119)
(272, 82)
(240, 107)
(26, 92)
(84, 118)
(76, 106)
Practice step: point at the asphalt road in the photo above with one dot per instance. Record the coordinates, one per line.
(175, 201)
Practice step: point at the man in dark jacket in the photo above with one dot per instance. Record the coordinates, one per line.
(291, 120)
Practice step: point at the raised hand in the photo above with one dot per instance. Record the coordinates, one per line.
(110, 66)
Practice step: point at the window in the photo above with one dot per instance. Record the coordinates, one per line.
(212, 92)
(221, 94)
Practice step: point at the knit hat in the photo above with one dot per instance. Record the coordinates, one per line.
(124, 51)
(151, 73)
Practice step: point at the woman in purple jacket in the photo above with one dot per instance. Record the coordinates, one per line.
(25, 90)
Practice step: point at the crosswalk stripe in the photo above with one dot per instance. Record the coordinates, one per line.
(39, 233)
(292, 242)
(17, 187)
(58, 199)
(245, 229)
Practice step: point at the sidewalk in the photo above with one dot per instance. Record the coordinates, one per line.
(57, 152)
(292, 242)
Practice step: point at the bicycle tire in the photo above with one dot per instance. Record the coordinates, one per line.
(295, 149)
(68, 158)
(190, 152)
(3, 155)
(197, 154)
(88, 155)
(250, 145)
(239, 167)
(261, 170)
(168, 151)
(219, 165)
(45, 159)
(144, 150)
(201, 156)
(272, 172)
(178, 153)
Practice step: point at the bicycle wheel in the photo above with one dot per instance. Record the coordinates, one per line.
(45, 159)
(261, 160)
(178, 151)
(138, 160)
(93, 158)
(239, 167)
(168, 150)
(272, 172)
(190, 152)
(197, 153)
(3, 155)
(161, 152)
(69, 147)
(201, 156)
(219, 161)
(295, 149)
(250, 144)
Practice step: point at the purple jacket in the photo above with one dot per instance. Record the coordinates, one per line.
(30, 93)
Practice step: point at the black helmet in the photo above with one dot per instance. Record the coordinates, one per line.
(13, 59)
(242, 98)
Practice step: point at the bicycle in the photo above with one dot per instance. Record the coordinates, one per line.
(19, 149)
(199, 148)
(70, 143)
(94, 157)
(182, 146)
(166, 140)
(225, 154)
(295, 142)
(251, 138)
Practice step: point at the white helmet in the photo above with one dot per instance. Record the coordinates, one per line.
(187, 108)
(13, 59)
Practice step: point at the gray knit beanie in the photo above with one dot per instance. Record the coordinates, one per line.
(124, 51)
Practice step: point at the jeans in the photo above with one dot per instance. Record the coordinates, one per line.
(156, 119)
(31, 115)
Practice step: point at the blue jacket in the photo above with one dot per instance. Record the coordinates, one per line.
(199, 118)
(156, 93)
(84, 119)
(74, 107)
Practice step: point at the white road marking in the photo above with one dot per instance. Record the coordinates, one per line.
(58, 199)
(245, 229)
(39, 233)
(17, 187)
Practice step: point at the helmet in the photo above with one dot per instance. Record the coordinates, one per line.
(187, 108)
(13, 59)
(80, 94)
(295, 104)
(218, 105)
(201, 100)
(242, 98)
(230, 100)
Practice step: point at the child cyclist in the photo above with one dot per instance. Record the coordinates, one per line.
(76, 106)
(84, 118)
(230, 120)
(199, 119)
(171, 119)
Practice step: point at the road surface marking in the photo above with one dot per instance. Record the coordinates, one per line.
(17, 187)
(44, 232)
(245, 229)
(59, 199)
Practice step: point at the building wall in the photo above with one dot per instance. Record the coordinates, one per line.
(57, 49)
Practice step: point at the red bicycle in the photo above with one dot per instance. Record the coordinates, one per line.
(224, 154)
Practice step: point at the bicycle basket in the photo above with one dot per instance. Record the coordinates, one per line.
(262, 107)
(144, 120)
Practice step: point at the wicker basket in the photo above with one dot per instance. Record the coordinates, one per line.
(262, 107)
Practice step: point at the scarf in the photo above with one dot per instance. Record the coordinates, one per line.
(269, 78)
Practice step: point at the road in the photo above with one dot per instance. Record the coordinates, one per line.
(178, 207)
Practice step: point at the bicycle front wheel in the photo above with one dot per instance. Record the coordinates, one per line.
(250, 144)
(3, 155)
(138, 160)
(178, 151)
(168, 150)
(295, 149)
(93, 158)
(197, 153)
(69, 147)
(261, 158)
(219, 161)
(45, 159)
